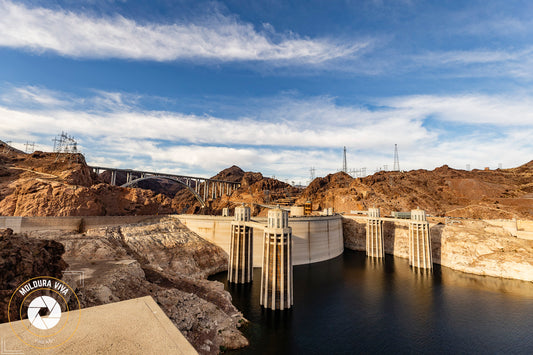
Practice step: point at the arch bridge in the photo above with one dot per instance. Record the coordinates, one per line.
(202, 188)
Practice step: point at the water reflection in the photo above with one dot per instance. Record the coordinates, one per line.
(357, 304)
(518, 288)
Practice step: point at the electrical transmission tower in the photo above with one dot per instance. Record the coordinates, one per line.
(396, 159)
(66, 144)
(312, 174)
(7, 147)
(344, 164)
(29, 147)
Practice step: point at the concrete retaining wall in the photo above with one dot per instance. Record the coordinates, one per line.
(314, 238)
(29, 224)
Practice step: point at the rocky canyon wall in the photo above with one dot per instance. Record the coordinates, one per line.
(470, 246)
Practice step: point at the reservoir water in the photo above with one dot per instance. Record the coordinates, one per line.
(353, 305)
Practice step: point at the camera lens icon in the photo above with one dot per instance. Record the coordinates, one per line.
(47, 305)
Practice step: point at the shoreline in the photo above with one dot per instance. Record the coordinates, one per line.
(470, 246)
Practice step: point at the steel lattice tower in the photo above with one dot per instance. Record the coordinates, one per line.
(396, 159)
(344, 164)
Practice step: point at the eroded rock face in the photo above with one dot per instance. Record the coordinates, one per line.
(169, 245)
(23, 258)
(477, 248)
(165, 260)
(49, 198)
(469, 246)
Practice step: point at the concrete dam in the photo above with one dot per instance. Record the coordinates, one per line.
(314, 238)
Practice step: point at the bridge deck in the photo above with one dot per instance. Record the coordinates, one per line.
(152, 173)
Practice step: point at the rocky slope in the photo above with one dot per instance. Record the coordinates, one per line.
(470, 246)
(50, 184)
(502, 193)
(165, 260)
(47, 184)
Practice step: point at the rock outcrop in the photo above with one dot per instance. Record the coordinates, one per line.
(35, 197)
(47, 184)
(474, 247)
(23, 258)
(255, 189)
(165, 260)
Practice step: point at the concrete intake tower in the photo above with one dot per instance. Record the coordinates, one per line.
(276, 274)
(419, 241)
(240, 268)
(374, 234)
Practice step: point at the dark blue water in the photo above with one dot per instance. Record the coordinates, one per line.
(351, 305)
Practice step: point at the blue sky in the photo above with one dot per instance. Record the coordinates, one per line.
(274, 86)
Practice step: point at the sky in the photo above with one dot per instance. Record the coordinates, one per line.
(275, 86)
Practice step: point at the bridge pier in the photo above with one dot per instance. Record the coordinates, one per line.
(374, 234)
(113, 177)
(419, 241)
(276, 273)
(240, 268)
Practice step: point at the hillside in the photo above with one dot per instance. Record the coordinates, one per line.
(48, 184)
(51, 184)
(255, 189)
(502, 193)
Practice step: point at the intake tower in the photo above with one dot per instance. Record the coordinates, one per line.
(276, 274)
(240, 268)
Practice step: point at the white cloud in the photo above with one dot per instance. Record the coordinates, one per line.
(497, 110)
(359, 128)
(222, 39)
(286, 136)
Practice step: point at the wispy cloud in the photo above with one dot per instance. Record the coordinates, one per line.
(477, 62)
(221, 39)
(32, 96)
